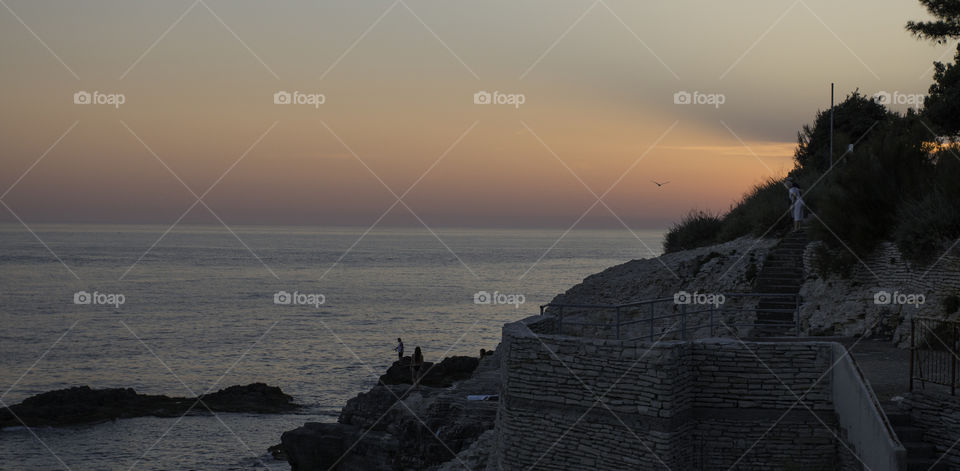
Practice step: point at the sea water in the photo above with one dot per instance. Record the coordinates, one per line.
(200, 312)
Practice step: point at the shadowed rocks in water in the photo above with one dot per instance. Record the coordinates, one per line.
(81, 405)
(439, 375)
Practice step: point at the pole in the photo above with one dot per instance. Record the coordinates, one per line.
(913, 346)
(831, 124)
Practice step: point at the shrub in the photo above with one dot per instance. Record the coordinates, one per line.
(760, 211)
(951, 304)
(696, 229)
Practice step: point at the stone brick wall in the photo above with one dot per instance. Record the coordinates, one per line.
(939, 415)
(699, 405)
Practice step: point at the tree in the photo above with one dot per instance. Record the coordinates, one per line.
(853, 117)
(942, 104)
(947, 23)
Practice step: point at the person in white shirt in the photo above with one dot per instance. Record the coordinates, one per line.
(797, 199)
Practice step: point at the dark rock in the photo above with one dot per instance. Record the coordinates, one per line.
(440, 375)
(318, 446)
(81, 405)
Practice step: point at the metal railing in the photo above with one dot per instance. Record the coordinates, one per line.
(686, 317)
(934, 344)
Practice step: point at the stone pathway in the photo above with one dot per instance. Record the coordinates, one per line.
(782, 273)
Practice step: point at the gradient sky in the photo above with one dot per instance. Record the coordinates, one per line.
(399, 78)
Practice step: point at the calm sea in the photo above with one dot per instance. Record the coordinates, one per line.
(198, 314)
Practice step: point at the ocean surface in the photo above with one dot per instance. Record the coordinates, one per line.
(198, 314)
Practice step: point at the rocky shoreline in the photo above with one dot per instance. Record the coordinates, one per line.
(84, 405)
(399, 425)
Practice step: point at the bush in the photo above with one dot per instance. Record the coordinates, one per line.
(926, 227)
(951, 304)
(760, 211)
(696, 229)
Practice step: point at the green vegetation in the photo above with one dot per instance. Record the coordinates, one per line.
(900, 180)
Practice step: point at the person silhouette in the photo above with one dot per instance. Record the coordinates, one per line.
(797, 199)
(399, 349)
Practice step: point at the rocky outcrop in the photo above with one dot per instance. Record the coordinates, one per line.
(80, 405)
(439, 375)
(402, 426)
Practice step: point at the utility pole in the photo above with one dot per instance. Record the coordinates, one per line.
(831, 124)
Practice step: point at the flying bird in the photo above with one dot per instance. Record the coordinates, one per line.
(658, 183)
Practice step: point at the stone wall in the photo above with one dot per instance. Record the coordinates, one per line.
(939, 415)
(846, 307)
(680, 405)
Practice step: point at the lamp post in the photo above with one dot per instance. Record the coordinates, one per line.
(831, 124)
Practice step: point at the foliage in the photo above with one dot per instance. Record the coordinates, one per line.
(853, 118)
(942, 103)
(760, 212)
(946, 26)
(696, 229)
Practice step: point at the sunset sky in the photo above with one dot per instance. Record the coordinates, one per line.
(598, 119)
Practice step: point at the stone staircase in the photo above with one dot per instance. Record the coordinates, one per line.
(782, 273)
(920, 454)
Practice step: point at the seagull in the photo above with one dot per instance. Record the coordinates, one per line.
(658, 183)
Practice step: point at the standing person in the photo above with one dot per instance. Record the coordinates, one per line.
(415, 364)
(797, 201)
(399, 349)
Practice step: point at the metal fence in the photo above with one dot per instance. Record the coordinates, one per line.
(665, 316)
(934, 344)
